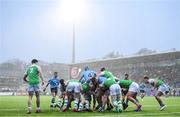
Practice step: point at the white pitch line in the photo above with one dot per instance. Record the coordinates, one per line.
(6, 109)
(118, 114)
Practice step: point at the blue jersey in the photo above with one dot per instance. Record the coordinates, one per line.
(54, 82)
(101, 80)
(86, 75)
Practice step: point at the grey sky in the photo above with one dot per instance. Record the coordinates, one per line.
(37, 29)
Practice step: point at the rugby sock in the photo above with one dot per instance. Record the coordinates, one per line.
(29, 109)
(115, 103)
(80, 107)
(87, 105)
(75, 104)
(53, 100)
(119, 104)
(38, 108)
(65, 103)
(59, 102)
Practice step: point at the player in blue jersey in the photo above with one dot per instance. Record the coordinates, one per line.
(87, 75)
(54, 85)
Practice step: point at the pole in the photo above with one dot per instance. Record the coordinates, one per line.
(73, 43)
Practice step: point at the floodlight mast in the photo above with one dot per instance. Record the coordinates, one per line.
(73, 44)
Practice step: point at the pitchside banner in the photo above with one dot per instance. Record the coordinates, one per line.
(75, 72)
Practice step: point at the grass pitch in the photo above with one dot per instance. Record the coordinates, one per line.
(17, 106)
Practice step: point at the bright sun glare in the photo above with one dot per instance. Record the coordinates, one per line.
(72, 9)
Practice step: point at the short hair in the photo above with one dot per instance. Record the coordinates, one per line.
(126, 74)
(86, 68)
(62, 81)
(146, 77)
(102, 69)
(34, 61)
(55, 72)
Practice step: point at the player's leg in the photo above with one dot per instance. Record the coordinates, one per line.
(37, 93)
(30, 95)
(70, 99)
(104, 100)
(161, 89)
(158, 98)
(65, 102)
(109, 105)
(76, 101)
(99, 94)
(115, 97)
(124, 100)
(60, 100)
(118, 97)
(76, 96)
(131, 95)
(68, 92)
(81, 104)
(87, 99)
(37, 101)
(53, 98)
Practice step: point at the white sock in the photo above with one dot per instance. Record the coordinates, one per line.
(29, 109)
(38, 108)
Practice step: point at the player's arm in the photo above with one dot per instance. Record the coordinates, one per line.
(46, 87)
(100, 74)
(81, 76)
(25, 78)
(80, 79)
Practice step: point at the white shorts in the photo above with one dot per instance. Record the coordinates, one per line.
(134, 87)
(115, 89)
(163, 88)
(73, 87)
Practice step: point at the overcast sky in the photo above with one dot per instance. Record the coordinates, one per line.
(38, 28)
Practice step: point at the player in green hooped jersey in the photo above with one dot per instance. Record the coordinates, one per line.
(110, 87)
(114, 90)
(133, 90)
(107, 74)
(161, 87)
(32, 76)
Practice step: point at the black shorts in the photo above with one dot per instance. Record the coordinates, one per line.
(124, 92)
(54, 90)
(87, 96)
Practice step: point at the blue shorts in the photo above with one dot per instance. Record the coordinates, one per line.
(54, 90)
(33, 88)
